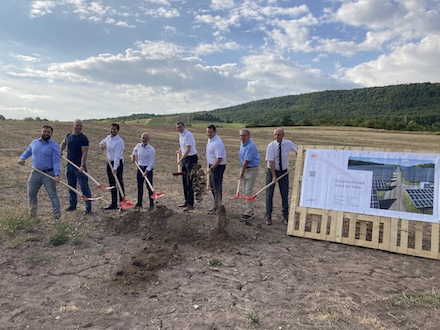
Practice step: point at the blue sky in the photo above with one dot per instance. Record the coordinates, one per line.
(67, 59)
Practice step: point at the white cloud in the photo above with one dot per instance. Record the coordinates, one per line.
(41, 8)
(413, 62)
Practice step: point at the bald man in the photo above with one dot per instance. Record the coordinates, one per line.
(145, 155)
(77, 151)
(277, 158)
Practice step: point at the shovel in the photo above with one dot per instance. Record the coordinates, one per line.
(252, 198)
(87, 174)
(154, 194)
(70, 187)
(179, 167)
(124, 203)
(237, 193)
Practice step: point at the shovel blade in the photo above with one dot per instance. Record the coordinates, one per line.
(91, 198)
(249, 198)
(125, 204)
(156, 195)
(106, 188)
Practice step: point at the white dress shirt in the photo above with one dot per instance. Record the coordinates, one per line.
(146, 155)
(115, 149)
(215, 149)
(187, 139)
(272, 153)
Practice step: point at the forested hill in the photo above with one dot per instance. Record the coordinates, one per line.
(402, 107)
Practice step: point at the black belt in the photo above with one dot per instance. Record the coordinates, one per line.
(47, 171)
(251, 166)
(192, 156)
(282, 171)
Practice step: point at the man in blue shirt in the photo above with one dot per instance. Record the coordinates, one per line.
(249, 162)
(77, 151)
(46, 158)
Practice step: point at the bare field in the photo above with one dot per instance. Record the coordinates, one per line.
(170, 270)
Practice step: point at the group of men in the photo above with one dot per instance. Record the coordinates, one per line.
(277, 158)
(46, 155)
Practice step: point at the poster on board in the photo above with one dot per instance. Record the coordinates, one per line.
(389, 184)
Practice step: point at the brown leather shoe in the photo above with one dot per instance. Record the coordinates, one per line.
(188, 208)
(183, 205)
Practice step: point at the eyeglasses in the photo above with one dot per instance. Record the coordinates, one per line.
(243, 135)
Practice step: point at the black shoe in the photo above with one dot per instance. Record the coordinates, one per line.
(285, 219)
(111, 207)
(268, 221)
(70, 209)
(87, 212)
(246, 217)
(183, 205)
(212, 211)
(138, 206)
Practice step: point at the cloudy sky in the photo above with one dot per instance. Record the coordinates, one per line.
(64, 59)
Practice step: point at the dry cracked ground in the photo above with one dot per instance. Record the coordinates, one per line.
(167, 269)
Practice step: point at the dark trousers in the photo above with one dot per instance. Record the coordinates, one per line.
(112, 182)
(283, 184)
(74, 176)
(140, 185)
(187, 165)
(216, 183)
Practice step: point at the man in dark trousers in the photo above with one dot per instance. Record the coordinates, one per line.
(77, 151)
(188, 158)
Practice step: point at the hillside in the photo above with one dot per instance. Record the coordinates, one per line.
(402, 107)
(413, 107)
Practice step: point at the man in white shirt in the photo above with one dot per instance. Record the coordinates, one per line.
(144, 154)
(115, 148)
(216, 158)
(277, 157)
(188, 159)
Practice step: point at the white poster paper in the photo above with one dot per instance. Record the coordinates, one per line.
(401, 185)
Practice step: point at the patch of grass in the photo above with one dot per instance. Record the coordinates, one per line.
(14, 242)
(14, 223)
(371, 322)
(408, 300)
(33, 238)
(334, 315)
(40, 260)
(13, 219)
(252, 318)
(100, 250)
(60, 234)
(214, 262)
(275, 241)
(76, 239)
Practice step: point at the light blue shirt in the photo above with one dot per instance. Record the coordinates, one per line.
(45, 155)
(249, 152)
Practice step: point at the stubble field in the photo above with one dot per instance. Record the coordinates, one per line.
(168, 269)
